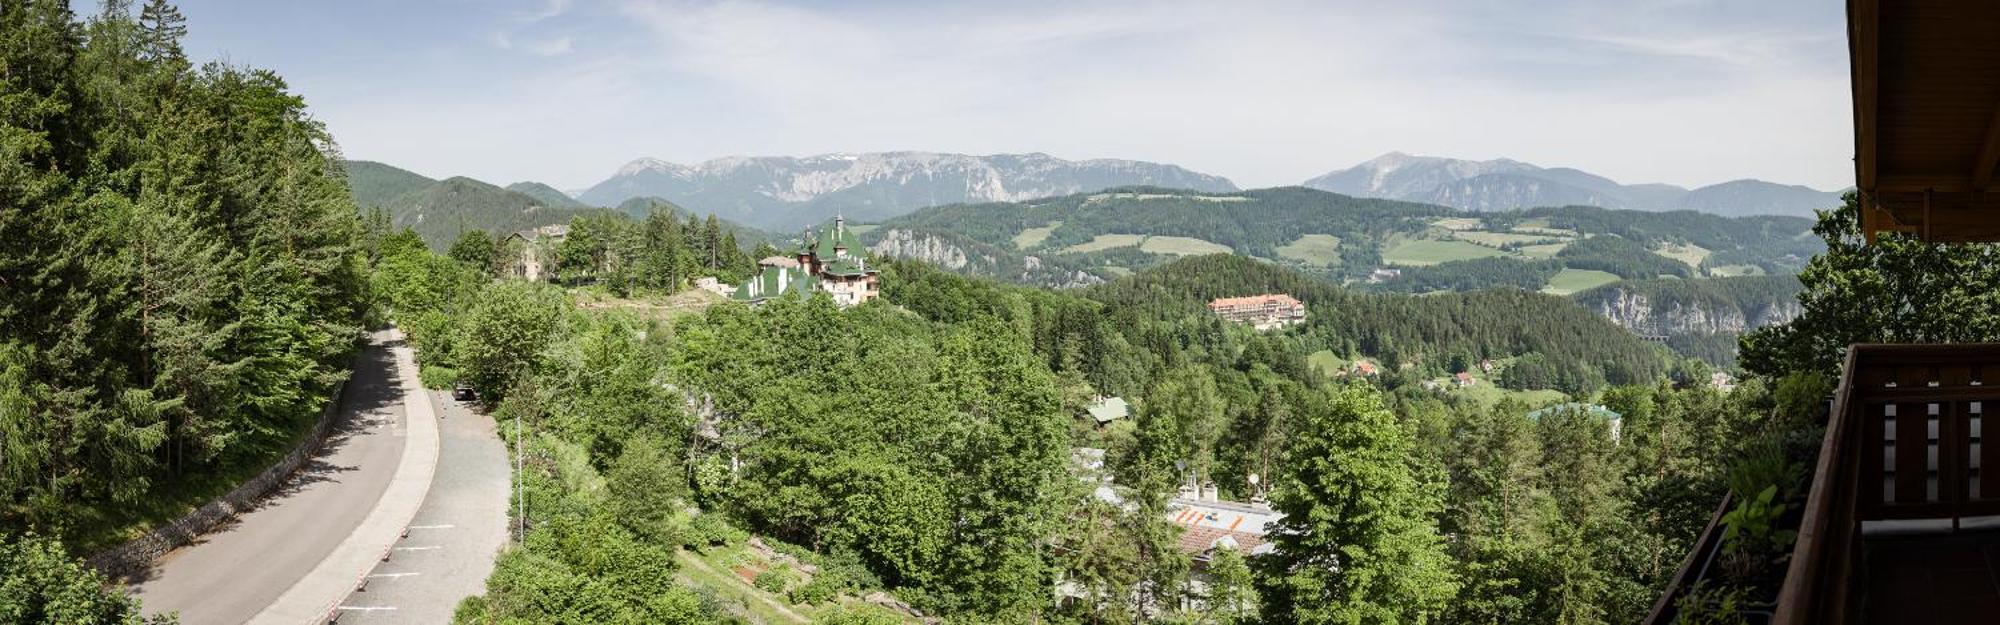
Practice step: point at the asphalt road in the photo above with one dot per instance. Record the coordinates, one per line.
(456, 533)
(236, 571)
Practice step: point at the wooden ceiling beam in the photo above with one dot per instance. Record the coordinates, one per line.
(1864, 34)
(1989, 154)
(1920, 184)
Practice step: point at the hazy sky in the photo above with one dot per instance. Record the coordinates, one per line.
(1265, 93)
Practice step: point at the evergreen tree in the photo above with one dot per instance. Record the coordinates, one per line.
(712, 241)
(1358, 543)
(1231, 598)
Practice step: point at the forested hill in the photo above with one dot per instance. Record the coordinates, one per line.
(1109, 234)
(547, 194)
(1556, 344)
(441, 210)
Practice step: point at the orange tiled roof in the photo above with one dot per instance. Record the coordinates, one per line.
(1196, 541)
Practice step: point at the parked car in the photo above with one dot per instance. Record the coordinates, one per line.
(463, 392)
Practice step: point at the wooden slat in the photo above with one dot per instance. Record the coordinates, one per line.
(1877, 355)
(1989, 455)
(1871, 492)
(1951, 449)
(1963, 393)
(1828, 520)
(1912, 452)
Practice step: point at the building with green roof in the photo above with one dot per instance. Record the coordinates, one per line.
(1611, 417)
(833, 263)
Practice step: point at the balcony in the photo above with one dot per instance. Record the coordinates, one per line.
(1900, 524)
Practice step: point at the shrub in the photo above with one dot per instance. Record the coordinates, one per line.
(1753, 525)
(437, 377)
(857, 616)
(39, 583)
(716, 531)
(774, 580)
(822, 588)
(1763, 463)
(1711, 605)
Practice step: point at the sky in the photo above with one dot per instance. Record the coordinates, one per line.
(1271, 93)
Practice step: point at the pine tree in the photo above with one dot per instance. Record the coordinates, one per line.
(1358, 543)
(712, 241)
(161, 27)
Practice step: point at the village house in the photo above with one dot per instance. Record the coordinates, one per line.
(1464, 379)
(1104, 410)
(1721, 381)
(833, 263)
(1207, 523)
(533, 251)
(712, 285)
(1260, 311)
(1609, 416)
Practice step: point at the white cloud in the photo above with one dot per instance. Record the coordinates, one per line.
(551, 47)
(550, 9)
(1263, 92)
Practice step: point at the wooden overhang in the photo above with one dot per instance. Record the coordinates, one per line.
(1926, 77)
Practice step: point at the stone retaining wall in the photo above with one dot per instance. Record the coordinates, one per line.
(136, 556)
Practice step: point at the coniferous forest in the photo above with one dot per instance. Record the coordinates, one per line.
(183, 276)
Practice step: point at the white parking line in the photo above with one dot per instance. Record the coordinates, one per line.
(419, 548)
(394, 574)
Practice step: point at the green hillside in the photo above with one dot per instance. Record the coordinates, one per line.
(1560, 345)
(547, 194)
(440, 210)
(376, 184)
(1344, 238)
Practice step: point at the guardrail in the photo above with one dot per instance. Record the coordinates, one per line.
(1899, 445)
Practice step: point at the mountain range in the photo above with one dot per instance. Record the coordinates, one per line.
(441, 210)
(1090, 237)
(783, 192)
(1503, 184)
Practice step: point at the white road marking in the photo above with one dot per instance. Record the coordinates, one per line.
(432, 527)
(394, 574)
(366, 608)
(419, 548)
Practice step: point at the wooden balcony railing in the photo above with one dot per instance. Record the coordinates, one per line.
(1903, 441)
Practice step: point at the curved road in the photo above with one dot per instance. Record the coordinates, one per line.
(296, 556)
(455, 535)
